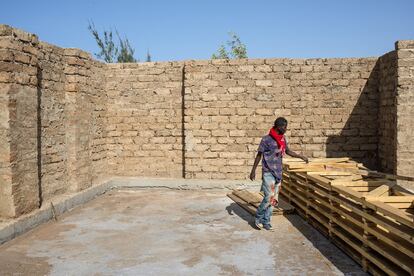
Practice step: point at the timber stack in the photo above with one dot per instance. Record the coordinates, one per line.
(365, 213)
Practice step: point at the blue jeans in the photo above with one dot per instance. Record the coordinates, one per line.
(271, 191)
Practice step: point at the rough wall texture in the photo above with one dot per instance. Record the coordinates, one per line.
(331, 106)
(85, 120)
(68, 122)
(18, 86)
(145, 119)
(72, 122)
(53, 123)
(405, 108)
(52, 142)
(387, 115)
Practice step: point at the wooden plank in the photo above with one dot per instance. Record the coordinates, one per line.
(380, 191)
(321, 200)
(320, 180)
(401, 205)
(401, 230)
(322, 166)
(323, 229)
(387, 251)
(329, 160)
(390, 217)
(296, 194)
(348, 192)
(346, 165)
(299, 202)
(355, 255)
(322, 212)
(382, 263)
(365, 171)
(246, 206)
(338, 173)
(392, 199)
(392, 254)
(254, 199)
(317, 160)
(388, 237)
(363, 190)
(322, 191)
(359, 183)
(283, 207)
(351, 228)
(392, 240)
(394, 213)
(346, 179)
(247, 196)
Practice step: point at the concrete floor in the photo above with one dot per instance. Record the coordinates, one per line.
(170, 232)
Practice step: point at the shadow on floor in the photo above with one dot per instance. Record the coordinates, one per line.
(341, 261)
(320, 242)
(234, 208)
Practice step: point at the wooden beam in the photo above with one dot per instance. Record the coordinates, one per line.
(394, 213)
(380, 191)
(346, 179)
(319, 180)
(391, 199)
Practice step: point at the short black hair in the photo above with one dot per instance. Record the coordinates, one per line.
(280, 122)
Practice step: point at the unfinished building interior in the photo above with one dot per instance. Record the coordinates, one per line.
(71, 125)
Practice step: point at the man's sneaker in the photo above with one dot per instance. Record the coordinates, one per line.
(258, 224)
(268, 227)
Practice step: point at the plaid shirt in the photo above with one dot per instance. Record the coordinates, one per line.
(272, 157)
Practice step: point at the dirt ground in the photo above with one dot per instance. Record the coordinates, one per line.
(170, 232)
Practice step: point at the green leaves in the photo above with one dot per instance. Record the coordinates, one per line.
(236, 49)
(109, 51)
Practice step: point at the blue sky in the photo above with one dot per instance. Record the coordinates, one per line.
(181, 29)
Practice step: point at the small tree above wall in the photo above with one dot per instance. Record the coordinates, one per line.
(235, 49)
(109, 51)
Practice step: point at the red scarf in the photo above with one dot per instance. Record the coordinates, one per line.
(280, 140)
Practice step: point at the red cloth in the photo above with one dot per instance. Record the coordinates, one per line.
(280, 140)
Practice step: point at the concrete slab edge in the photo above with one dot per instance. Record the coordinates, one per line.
(25, 223)
(182, 184)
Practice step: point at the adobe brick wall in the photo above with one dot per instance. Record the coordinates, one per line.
(53, 124)
(145, 119)
(18, 131)
(51, 84)
(68, 121)
(85, 120)
(331, 106)
(405, 108)
(387, 115)
(72, 108)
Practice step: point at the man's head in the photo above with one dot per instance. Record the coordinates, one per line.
(280, 125)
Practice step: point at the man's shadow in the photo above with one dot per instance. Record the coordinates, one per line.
(234, 208)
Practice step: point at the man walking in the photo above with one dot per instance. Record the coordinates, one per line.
(272, 148)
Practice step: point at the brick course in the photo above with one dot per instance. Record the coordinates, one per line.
(145, 119)
(331, 106)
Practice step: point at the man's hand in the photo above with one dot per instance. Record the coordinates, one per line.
(252, 175)
(304, 158)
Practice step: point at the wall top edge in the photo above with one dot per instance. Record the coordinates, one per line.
(6, 30)
(9, 31)
(404, 44)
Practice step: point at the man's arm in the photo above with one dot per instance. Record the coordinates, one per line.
(256, 162)
(294, 154)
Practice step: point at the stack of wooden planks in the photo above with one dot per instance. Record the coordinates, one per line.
(250, 201)
(364, 213)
